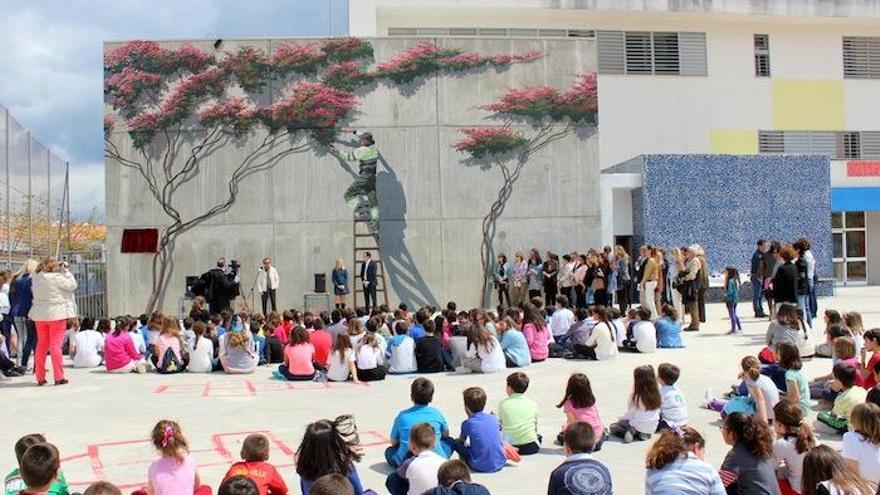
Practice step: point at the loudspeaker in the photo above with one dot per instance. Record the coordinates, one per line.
(190, 282)
(320, 283)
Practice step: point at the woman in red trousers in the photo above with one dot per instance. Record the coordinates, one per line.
(54, 303)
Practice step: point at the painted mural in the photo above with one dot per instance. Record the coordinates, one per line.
(181, 106)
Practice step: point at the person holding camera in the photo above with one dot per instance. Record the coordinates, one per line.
(53, 289)
(219, 286)
(267, 284)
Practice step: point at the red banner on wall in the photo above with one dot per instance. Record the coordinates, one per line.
(863, 169)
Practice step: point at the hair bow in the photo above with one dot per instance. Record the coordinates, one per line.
(167, 435)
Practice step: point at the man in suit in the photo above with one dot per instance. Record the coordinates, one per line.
(368, 279)
(267, 284)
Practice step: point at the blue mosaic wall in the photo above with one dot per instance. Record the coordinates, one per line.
(726, 202)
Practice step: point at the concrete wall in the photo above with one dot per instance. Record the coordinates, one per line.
(431, 202)
(872, 243)
(726, 202)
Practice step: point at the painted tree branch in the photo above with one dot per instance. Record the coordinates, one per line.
(553, 115)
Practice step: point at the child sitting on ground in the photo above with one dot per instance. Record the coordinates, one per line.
(254, 454)
(14, 483)
(400, 354)
(579, 405)
(87, 348)
(417, 474)
(169, 352)
(848, 396)
(579, 473)
(673, 409)
(429, 351)
(794, 438)
(454, 478)
(341, 365)
(643, 408)
(421, 393)
(844, 350)
(668, 329)
(175, 472)
(201, 355)
(39, 467)
(299, 356)
(485, 451)
(643, 337)
(762, 392)
(329, 447)
(368, 359)
(519, 416)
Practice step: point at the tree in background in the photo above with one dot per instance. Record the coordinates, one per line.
(552, 115)
(180, 106)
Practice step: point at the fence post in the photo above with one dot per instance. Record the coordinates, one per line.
(8, 213)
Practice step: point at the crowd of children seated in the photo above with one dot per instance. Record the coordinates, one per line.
(765, 416)
(348, 344)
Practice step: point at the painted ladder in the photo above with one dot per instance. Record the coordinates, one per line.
(361, 237)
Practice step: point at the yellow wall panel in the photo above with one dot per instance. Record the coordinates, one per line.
(733, 141)
(808, 104)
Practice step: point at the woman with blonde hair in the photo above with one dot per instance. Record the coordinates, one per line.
(676, 266)
(339, 277)
(648, 284)
(53, 303)
(21, 298)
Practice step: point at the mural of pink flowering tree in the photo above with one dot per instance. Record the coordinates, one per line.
(552, 115)
(181, 106)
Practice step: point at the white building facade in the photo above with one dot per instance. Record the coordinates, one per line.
(707, 76)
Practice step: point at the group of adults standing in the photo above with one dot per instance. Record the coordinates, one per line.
(784, 274)
(679, 277)
(41, 299)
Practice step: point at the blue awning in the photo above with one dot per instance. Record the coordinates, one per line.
(855, 199)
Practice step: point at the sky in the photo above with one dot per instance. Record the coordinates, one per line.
(51, 72)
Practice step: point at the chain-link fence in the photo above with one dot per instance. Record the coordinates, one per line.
(35, 211)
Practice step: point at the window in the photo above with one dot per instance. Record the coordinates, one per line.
(837, 145)
(492, 32)
(848, 247)
(657, 53)
(861, 57)
(762, 55)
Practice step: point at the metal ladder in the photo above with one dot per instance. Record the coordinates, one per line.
(361, 241)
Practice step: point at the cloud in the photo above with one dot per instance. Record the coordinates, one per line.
(51, 76)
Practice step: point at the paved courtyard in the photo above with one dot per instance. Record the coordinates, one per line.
(101, 422)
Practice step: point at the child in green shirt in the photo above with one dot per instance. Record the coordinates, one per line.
(848, 397)
(14, 484)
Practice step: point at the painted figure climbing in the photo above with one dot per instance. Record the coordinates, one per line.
(361, 195)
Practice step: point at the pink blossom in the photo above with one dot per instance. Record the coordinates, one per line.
(251, 66)
(350, 48)
(188, 57)
(519, 100)
(346, 76)
(137, 53)
(487, 141)
(205, 83)
(307, 105)
(297, 57)
(126, 86)
(582, 96)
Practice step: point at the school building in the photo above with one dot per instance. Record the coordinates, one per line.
(708, 77)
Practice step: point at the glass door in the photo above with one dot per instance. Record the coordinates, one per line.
(848, 247)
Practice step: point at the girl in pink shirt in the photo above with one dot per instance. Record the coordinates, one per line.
(120, 356)
(535, 331)
(579, 405)
(169, 344)
(174, 473)
(299, 357)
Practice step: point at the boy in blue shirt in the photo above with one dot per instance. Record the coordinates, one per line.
(422, 393)
(485, 452)
(417, 331)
